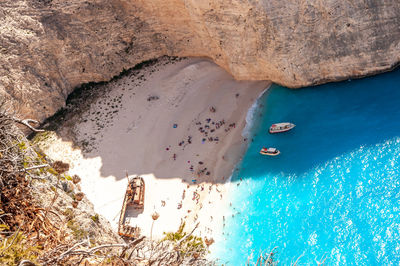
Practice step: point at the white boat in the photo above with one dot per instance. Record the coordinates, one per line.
(269, 151)
(281, 127)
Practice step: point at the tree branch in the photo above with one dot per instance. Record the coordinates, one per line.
(27, 123)
(186, 236)
(34, 167)
(12, 242)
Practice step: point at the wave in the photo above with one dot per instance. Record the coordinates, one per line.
(251, 114)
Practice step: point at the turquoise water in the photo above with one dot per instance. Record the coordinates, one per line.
(333, 193)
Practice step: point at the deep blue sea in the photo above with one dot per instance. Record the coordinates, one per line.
(333, 193)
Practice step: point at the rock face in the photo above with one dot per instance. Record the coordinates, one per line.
(48, 47)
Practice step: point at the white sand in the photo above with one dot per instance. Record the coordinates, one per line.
(133, 136)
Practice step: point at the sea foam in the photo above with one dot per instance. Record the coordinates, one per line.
(251, 115)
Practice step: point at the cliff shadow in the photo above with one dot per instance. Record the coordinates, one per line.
(164, 123)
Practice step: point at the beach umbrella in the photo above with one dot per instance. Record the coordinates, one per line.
(154, 216)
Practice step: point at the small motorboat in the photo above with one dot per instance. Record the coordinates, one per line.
(269, 151)
(281, 127)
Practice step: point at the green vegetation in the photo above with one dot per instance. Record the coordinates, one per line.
(191, 244)
(69, 213)
(37, 157)
(77, 231)
(95, 218)
(42, 136)
(14, 250)
(67, 177)
(4, 227)
(52, 171)
(22, 146)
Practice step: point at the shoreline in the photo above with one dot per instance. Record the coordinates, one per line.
(178, 125)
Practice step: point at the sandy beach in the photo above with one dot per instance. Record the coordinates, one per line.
(176, 124)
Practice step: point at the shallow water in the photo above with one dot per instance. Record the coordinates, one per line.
(333, 192)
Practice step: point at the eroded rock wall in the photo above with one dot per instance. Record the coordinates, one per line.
(48, 47)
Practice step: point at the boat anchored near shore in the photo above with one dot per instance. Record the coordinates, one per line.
(281, 127)
(270, 151)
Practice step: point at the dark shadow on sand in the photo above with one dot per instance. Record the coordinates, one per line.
(114, 161)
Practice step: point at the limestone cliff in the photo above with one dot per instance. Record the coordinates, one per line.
(48, 47)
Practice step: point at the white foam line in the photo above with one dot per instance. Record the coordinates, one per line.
(250, 115)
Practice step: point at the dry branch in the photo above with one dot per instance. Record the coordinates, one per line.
(35, 167)
(69, 250)
(12, 242)
(185, 237)
(27, 123)
(92, 250)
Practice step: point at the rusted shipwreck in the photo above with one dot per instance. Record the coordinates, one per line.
(133, 201)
